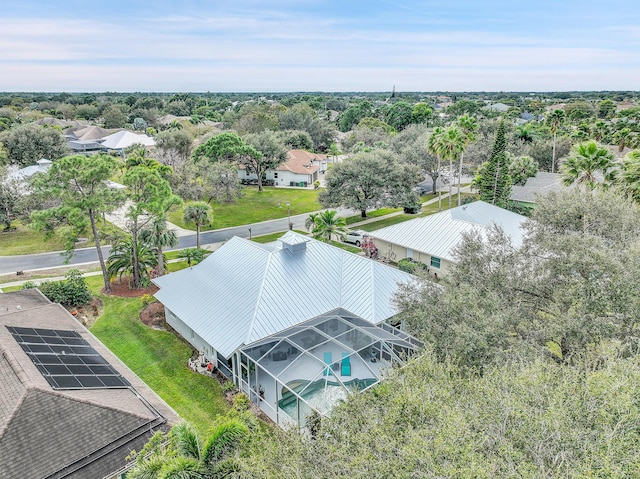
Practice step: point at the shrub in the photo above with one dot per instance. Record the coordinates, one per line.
(228, 386)
(241, 402)
(407, 265)
(72, 291)
(29, 285)
(147, 299)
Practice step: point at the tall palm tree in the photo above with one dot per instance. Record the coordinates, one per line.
(185, 455)
(327, 224)
(158, 235)
(584, 161)
(554, 120)
(199, 213)
(449, 144)
(433, 147)
(468, 125)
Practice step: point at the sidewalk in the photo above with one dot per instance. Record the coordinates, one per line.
(214, 246)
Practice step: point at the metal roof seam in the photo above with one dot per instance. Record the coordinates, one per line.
(259, 301)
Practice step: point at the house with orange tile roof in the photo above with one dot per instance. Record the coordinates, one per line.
(302, 168)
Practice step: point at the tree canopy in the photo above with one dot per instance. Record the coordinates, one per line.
(368, 180)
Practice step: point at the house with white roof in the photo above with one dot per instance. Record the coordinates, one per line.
(432, 239)
(124, 139)
(296, 324)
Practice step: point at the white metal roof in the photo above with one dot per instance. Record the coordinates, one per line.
(124, 139)
(438, 234)
(245, 292)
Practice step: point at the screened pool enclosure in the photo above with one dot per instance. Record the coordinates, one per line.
(315, 364)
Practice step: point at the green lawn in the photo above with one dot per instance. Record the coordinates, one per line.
(24, 240)
(159, 358)
(425, 211)
(256, 206)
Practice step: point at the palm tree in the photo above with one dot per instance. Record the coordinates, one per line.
(628, 176)
(310, 221)
(192, 255)
(433, 148)
(174, 125)
(183, 454)
(122, 260)
(525, 133)
(199, 213)
(327, 224)
(448, 145)
(554, 120)
(623, 138)
(158, 235)
(584, 161)
(468, 125)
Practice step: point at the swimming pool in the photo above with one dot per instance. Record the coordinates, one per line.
(321, 395)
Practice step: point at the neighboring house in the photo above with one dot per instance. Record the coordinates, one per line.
(300, 169)
(87, 140)
(23, 174)
(296, 324)
(123, 139)
(500, 107)
(69, 408)
(541, 184)
(432, 239)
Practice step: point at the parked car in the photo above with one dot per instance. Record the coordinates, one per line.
(355, 237)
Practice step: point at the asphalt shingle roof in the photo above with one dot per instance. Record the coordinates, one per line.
(71, 433)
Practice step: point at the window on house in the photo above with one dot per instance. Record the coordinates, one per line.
(435, 262)
(246, 172)
(275, 174)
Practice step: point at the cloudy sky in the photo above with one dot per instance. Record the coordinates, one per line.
(313, 45)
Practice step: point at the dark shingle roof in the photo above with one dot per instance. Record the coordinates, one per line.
(79, 433)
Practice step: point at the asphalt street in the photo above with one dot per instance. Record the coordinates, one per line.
(12, 264)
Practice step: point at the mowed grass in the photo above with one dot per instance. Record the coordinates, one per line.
(24, 240)
(159, 358)
(425, 211)
(255, 206)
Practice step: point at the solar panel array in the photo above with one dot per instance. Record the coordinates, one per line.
(66, 360)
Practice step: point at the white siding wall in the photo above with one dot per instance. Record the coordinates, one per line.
(395, 253)
(192, 338)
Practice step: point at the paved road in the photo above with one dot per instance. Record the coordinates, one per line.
(12, 264)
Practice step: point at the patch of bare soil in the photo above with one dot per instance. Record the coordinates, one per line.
(88, 313)
(121, 287)
(153, 316)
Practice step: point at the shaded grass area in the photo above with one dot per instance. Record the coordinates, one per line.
(256, 206)
(159, 358)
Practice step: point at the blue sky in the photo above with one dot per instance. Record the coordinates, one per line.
(308, 45)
